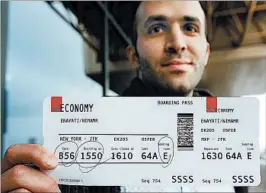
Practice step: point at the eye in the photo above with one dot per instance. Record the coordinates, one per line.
(189, 27)
(157, 28)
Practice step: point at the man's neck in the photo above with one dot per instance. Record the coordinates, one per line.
(160, 91)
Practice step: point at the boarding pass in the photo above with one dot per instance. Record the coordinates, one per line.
(153, 141)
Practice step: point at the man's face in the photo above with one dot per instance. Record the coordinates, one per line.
(171, 44)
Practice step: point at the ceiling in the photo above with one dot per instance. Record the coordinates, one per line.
(240, 22)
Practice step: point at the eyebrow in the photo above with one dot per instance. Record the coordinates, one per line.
(191, 19)
(154, 18)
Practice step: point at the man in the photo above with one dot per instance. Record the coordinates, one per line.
(171, 49)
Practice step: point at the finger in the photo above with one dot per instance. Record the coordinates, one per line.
(28, 153)
(20, 190)
(33, 180)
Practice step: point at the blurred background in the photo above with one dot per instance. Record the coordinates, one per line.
(78, 48)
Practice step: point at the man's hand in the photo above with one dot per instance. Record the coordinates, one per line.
(17, 177)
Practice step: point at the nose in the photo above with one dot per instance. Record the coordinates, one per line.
(175, 43)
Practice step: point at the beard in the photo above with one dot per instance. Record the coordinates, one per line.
(170, 83)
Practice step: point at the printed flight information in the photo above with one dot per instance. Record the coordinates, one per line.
(153, 141)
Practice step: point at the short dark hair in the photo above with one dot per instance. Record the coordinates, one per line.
(135, 33)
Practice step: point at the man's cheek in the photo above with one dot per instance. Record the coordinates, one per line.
(148, 51)
(196, 49)
(150, 47)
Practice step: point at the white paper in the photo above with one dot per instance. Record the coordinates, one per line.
(127, 141)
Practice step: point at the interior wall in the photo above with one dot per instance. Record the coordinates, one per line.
(245, 77)
(249, 77)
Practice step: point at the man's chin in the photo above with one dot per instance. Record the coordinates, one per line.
(181, 89)
(178, 87)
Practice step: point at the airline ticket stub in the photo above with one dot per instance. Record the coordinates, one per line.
(153, 141)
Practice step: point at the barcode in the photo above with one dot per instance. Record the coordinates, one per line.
(185, 130)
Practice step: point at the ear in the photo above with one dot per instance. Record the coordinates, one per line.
(132, 55)
(207, 55)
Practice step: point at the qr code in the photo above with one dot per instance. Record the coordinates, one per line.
(185, 131)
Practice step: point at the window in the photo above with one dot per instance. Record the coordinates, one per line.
(44, 58)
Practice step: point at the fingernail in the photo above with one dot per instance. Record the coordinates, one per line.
(51, 160)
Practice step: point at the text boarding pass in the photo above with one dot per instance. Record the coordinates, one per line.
(153, 141)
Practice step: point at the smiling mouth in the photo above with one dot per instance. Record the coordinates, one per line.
(178, 65)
